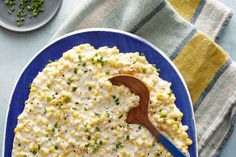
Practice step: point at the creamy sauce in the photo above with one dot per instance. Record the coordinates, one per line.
(73, 110)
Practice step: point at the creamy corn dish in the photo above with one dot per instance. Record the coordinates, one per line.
(73, 110)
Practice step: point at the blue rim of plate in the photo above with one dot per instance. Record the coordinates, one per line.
(154, 56)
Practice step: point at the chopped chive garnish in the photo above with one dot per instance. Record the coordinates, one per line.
(55, 125)
(32, 8)
(49, 99)
(117, 99)
(144, 70)
(74, 89)
(118, 145)
(100, 143)
(120, 116)
(67, 100)
(9, 11)
(89, 137)
(97, 114)
(34, 152)
(56, 147)
(97, 129)
(75, 70)
(29, 86)
(70, 80)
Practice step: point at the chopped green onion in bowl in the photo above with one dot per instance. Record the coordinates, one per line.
(24, 9)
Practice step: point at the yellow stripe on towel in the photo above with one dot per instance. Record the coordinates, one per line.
(186, 8)
(199, 61)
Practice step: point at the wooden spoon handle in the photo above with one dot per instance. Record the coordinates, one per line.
(164, 140)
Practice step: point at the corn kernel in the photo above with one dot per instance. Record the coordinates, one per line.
(95, 93)
(92, 115)
(85, 46)
(108, 86)
(175, 127)
(19, 127)
(168, 154)
(88, 126)
(81, 117)
(159, 96)
(58, 117)
(139, 142)
(169, 122)
(91, 142)
(75, 114)
(144, 137)
(160, 120)
(42, 97)
(51, 149)
(45, 133)
(79, 136)
(189, 141)
(65, 66)
(80, 128)
(154, 80)
(93, 122)
(163, 127)
(102, 118)
(172, 99)
(123, 153)
(39, 121)
(149, 143)
(20, 117)
(119, 137)
(149, 87)
(104, 141)
(44, 151)
(184, 135)
(163, 113)
(36, 134)
(72, 132)
(77, 49)
(61, 155)
(180, 115)
(27, 130)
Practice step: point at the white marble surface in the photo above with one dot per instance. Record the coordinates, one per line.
(17, 49)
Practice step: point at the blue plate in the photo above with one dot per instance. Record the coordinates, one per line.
(126, 42)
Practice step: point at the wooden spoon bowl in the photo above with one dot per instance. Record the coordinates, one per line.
(139, 114)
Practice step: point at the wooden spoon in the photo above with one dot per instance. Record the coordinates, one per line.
(139, 114)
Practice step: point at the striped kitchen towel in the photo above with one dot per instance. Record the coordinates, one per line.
(186, 30)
